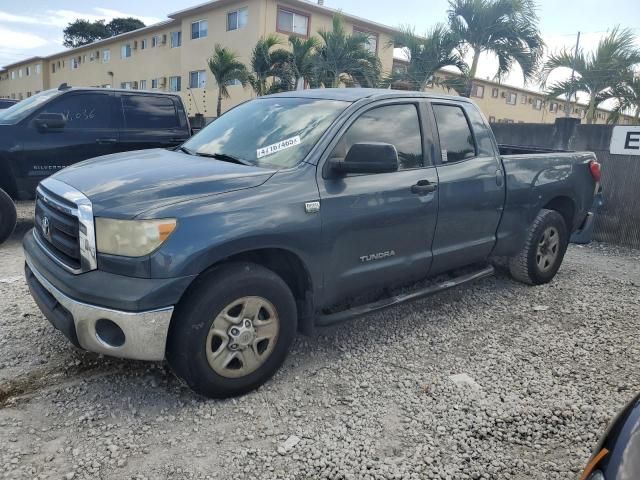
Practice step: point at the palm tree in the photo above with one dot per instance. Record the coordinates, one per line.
(628, 100)
(226, 68)
(301, 59)
(426, 55)
(599, 73)
(344, 58)
(267, 63)
(507, 29)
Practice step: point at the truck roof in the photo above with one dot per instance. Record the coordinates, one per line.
(123, 90)
(355, 94)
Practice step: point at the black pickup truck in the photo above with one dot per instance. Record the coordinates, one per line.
(288, 212)
(56, 128)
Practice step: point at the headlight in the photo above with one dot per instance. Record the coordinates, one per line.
(132, 238)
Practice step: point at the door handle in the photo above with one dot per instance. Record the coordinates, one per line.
(423, 187)
(103, 141)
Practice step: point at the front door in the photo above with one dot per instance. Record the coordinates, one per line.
(471, 188)
(88, 132)
(376, 229)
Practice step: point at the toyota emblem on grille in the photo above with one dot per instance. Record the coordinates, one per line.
(46, 227)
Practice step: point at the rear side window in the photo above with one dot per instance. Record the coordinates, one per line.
(83, 110)
(147, 111)
(456, 139)
(395, 124)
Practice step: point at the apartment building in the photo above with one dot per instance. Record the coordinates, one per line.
(507, 104)
(172, 55)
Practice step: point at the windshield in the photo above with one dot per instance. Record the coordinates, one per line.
(25, 107)
(268, 132)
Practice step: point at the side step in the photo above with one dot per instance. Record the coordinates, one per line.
(330, 319)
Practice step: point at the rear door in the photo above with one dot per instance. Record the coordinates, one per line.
(377, 232)
(471, 187)
(151, 121)
(88, 132)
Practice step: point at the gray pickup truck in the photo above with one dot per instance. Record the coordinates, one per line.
(292, 211)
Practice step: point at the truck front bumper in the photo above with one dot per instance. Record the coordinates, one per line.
(102, 312)
(137, 335)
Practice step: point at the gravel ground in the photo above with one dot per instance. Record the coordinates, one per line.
(540, 371)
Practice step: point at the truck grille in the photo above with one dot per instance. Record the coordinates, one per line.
(64, 226)
(58, 229)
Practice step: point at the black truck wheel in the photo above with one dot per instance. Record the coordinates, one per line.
(543, 250)
(232, 330)
(8, 216)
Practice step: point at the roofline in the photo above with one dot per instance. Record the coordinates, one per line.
(296, 3)
(22, 62)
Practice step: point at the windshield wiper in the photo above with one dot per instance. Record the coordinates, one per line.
(185, 150)
(224, 157)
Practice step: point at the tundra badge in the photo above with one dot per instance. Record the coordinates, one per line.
(377, 256)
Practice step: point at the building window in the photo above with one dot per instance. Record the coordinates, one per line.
(292, 22)
(492, 119)
(38, 69)
(176, 39)
(126, 85)
(175, 84)
(237, 19)
(106, 56)
(156, 40)
(553, 107)
(199, 29)
(512, 98)
(142, 84)
(372, 40)
(495, 92)
(74, 63)
(523, 100)
(27, 71)
(20, 73)
(53, 68)
(154, 83)
(198, 79)
(477, 91)
(13, 75)
(143, 44)
(537, 104)
(125, 51)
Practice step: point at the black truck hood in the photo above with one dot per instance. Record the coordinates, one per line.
(124, 185)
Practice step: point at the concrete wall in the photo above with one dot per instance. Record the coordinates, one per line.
(618, 221)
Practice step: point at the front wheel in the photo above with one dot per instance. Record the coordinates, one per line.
(543, 251)
(8, 216)
(232, 331)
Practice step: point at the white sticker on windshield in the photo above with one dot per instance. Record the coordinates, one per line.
(277, 147)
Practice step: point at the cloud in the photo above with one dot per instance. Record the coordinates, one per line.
(61, 18)
(27, 41)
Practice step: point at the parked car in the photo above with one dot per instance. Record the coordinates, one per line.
(6, 103)
(287, 213)
(57, 128)
(617, 455)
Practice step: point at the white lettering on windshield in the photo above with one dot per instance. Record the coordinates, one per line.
(277, 147)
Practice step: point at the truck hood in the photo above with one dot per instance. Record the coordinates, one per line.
(124, 185)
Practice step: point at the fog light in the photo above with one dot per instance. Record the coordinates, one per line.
(109, 333)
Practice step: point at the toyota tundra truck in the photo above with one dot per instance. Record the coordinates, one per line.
(289, 212)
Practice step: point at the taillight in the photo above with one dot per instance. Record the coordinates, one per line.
(594, 167)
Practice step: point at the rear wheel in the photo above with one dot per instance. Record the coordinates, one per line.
(543, 251)
(232, 331)
(8, 216)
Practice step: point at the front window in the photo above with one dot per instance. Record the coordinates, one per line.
(269, 132)
(23, 109)
(199, 29)
(176, 39)
(198, 79)
(293, 22)
(175, 84)
(237, 19)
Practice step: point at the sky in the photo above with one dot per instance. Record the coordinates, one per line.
(34, 27)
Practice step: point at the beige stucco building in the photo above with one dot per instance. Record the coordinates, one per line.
(172, 55)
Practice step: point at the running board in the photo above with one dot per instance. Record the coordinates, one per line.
(330, 319)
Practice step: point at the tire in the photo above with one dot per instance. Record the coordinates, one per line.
(200, 345)
(536, 266)
(8, 216)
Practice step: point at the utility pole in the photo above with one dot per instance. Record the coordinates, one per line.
(567, 106)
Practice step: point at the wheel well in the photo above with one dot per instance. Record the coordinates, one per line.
(7, 182)
(292, 270)
(565, 207)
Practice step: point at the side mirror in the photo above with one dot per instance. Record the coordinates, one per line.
(371, 157)
(50, 121)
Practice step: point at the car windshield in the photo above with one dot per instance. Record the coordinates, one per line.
(275, 132)
(25, 107)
